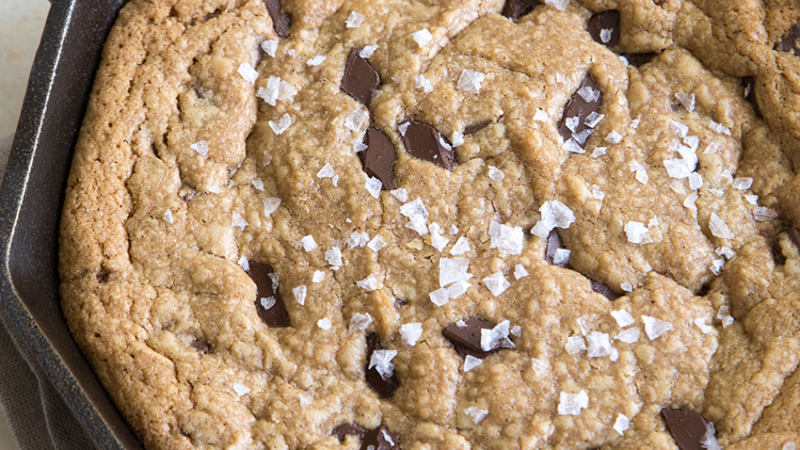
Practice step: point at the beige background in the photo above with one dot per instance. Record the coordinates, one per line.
(21, 24)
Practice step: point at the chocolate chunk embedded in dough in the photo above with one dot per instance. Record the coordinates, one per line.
(514, 9)
(466, 339)
(378, 159)
(601, 288)
(749, 85)
(585, 101)
(790, 42)
(553, 243)
(639, 59)
(686, 428)
(379, 439)
(424, 142)
(360, 79)
(276, 315)
(385, 388)
(281, 21)
(604, 28)
(348, 429)
(475, 127)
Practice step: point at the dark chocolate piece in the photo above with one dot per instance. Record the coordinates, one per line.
(380, 439)
(378, 159)
(384, 388)
(686, 428)
(601, 288)
(348, 429)
(475, 127)
(424, 142)
(466, 340)
(777, 252)
(200, 345)
(578, 107)
(749, 85)
(790, 42)
(553, 243)
(514, 9)
(281, 21)
(604, 28)
(360, 79)
(276, 315)
(794, 235)
(639, 59)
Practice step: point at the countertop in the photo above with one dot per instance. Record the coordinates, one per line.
(21, 24)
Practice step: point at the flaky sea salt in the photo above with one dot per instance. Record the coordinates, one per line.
(575, 344)
(628, 335)
(752, 199)
(742, 183)
(403, 127)
(621, 424)
(598, 152)
(422, 37)
(300, 294)
(373, 186)
(318, 276)
(572, 404)
(677, 168)
(470, 81)
(561, 256)
(476, 414)
(271, 205)
(452, 270)
(367, 51)
(496, 337)
(417, 216)
(724, 315)
(553, 214)
(679, 128)
(605, 35)
(593, 119)
(572, 123)
(438, 241)
(540, 366)
(376, 244)
(520, 272)
(623, 318)
(316, 61)
(200, 147)
(695, 180)
(326, 172)
(471, 362)
(401, 194)
(725, 251)
(704, 327)
(334, 258)
(240, 389)
(257, 183)
(248, 72)
(496, 174)
(598, 345)
(382, 362)
(717, 265)
(324, 323)
(354, 20)
(368, 284)
(764, 214)
(496, 283)
(168, 216)
(614, 137)
(719, 228)
(457, 138)
(308, 243)
(244, 263)
(458, 289)
(636, 232)
(655, 328)
(410, 333)
(357, 120)
(270, 47)
(357, 239)
(572, 146)
(626, 286)
(560, 5)
(424, 84)
(238, 221)
(541, 116)
(281, 125)
(506, 239)
(588, 94)
(687, 100)
(267, 302)
(640, 170)
(460, 247)
(689, 201)
(359, 322)
(709, 439)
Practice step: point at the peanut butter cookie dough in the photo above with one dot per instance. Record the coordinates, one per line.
(455, 224)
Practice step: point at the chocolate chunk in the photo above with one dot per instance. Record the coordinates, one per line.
(424, 142)
(794, 235)
(378, 159)
(379, 439)
(686, 428)
(601, 288)
(200, 345)
(777, 252)
(580, 107)
(475, 127)
(348, 429)
(466, 339)
(360, 80)
(553, 243)
(384, 388)
(749, 84)
(276, 315)
(514, 9)
(639, 59)
(604, 28)
(281, 21)
(790, 42)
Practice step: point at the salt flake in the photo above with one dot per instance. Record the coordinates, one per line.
(704, 327)
(496, 174)
(410, 333)
(554, 214)
(496, 283)
(357, 120)
(300, 294)
(506, 239)
(687, 100)
(367, 51)
(334, 258)
(382, 362)
(316, 61)
(636, 232)
(719, 228)
(476, 414)
(623, 318)
(471, 362)
(200, 147)
(354, 20)
(281, 125)
(240, 389)
(621, 424)
(324, 324)
(655, 328)
(560, 5)
(520, 272)
(452, 270)
(168, 216)
(572, 404)
(422, 37)
(369, 284)
(271, 205)
(470, 81)
(308, 243)
(374, 186)
(270, 46)
(460, 247)
(359, 322)
(424, 84)
(248, 72)
(598, 345)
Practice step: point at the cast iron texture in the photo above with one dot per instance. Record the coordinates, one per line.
(30, 209)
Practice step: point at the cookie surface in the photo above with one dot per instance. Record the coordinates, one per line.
(459, 224)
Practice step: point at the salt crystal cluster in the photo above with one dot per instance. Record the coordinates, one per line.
(554, 214)
(572, 404)
(506, 239)
(381, 360)
(470, 81)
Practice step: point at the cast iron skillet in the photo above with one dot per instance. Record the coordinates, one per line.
(30, 208)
